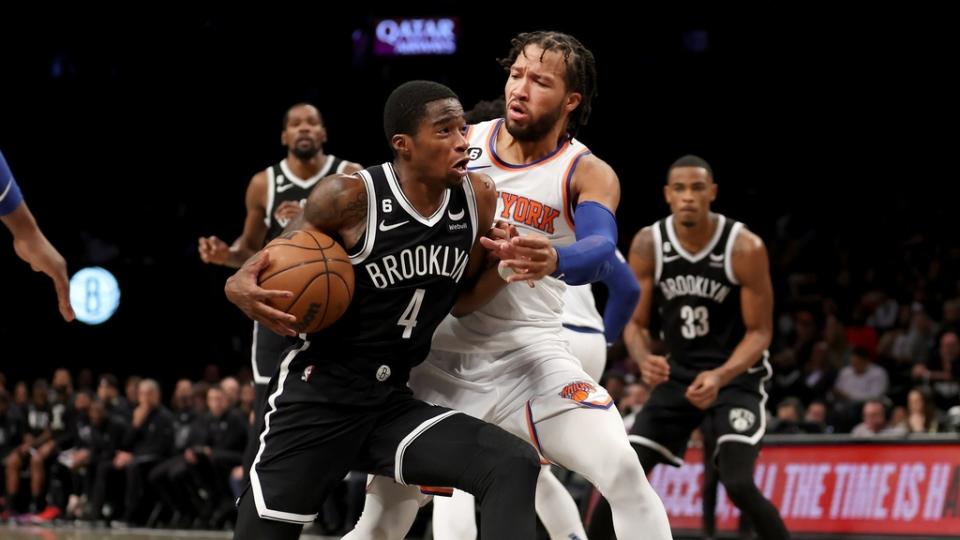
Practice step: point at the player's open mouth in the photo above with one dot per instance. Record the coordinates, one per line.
(461, 166)
(515, 112)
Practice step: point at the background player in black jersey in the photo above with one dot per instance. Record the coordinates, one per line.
(275, 196)
(710, 280)
(344, 403)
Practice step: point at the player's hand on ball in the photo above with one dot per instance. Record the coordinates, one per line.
(531, 257)
(243, 291)
(497, 237)
(654, 370)
(703, 391)
(213, 250)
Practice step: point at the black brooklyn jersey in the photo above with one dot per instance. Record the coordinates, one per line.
(283, 185)
(408, 269)
(698, 296)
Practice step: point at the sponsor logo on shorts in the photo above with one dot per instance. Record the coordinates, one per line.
(742, 419)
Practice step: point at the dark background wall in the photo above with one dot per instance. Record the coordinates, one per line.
(133, 134)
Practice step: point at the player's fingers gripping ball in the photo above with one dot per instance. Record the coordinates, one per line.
(317, 271)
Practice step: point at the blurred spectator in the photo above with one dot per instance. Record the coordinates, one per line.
(942, 372)
(133, 390)
(922, 414)
(789, 414)
(231, 391)
(835, 335)
(148, 442)
(247, 399)
(875, 422)
(181, 405)
(12, 430)
(818, 376)
(816, 417)
(862, 380)
(21, 397)
(108, 391)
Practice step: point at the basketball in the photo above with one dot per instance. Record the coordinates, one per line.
(317, 271)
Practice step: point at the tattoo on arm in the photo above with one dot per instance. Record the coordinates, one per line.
(356, 209)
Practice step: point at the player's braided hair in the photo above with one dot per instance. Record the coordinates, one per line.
(581, 72)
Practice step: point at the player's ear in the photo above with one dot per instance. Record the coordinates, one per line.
(283, 138)
(401, 144)
(573, 101)
(713, 191)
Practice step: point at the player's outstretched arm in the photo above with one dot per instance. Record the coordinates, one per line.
(213, 250)
(28, 240)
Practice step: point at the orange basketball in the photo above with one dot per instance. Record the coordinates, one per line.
(318, 273)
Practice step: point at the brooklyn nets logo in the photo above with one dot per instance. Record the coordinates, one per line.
(741, 419)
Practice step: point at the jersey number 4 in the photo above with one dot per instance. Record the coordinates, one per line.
(409, 318)
(696, 322)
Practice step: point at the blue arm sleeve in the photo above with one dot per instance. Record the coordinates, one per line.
(10, 197)
(624, 294)
(591, 257)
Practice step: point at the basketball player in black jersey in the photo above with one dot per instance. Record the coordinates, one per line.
(275, 196)
(710, 280)
(339, 400)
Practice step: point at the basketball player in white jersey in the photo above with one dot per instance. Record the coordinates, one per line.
(275, 196)
(505, 359)
(588, 332)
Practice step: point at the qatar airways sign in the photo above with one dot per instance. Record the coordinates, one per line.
(904, 489)
(395, 37)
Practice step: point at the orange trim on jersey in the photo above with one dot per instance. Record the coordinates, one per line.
(500, 164)
(437, 491)
(564, 181)
(603, 405)
(533, 436)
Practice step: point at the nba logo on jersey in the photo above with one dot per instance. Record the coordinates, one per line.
(306, 374)
(587, 394)
(741, 419)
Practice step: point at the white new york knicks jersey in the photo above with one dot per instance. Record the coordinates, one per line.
(536, 199)
(580, 308)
